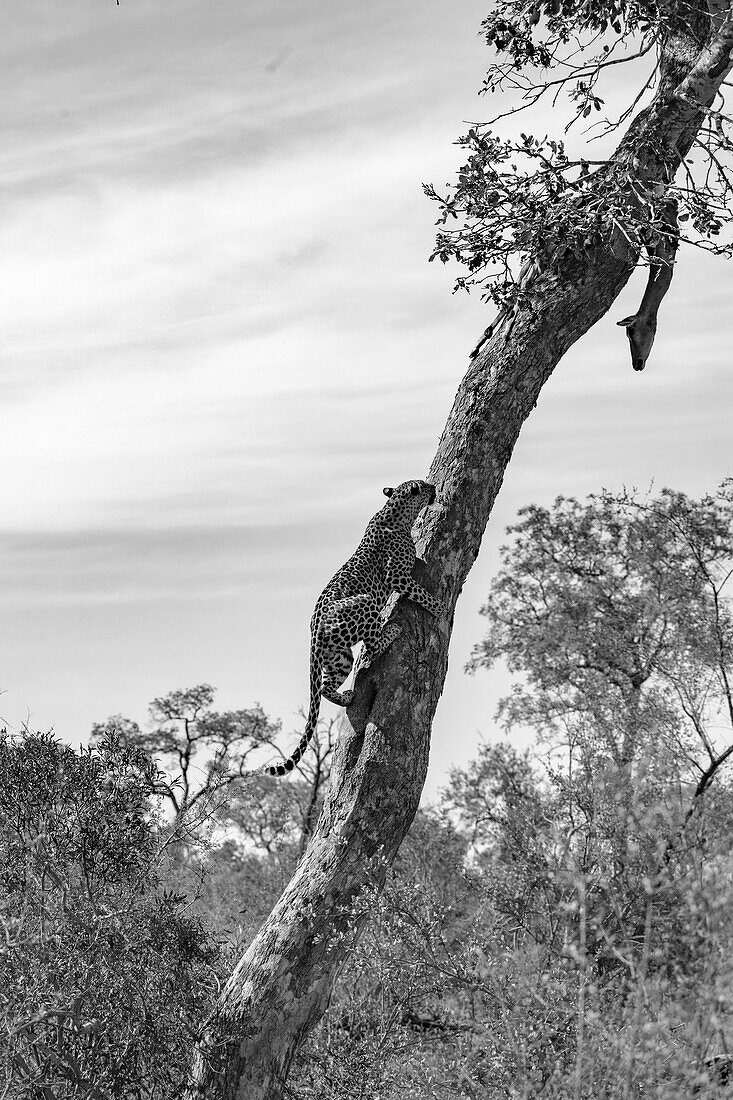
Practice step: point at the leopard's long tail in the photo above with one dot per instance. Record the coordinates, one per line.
(311, 722)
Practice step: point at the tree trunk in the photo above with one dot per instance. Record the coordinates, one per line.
(281, 986)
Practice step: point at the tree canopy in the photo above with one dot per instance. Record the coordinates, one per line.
(617, 613)
(554, 199)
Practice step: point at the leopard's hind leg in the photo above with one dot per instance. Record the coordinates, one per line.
(345, 623)
(349, 621)
(379, 638)
(337, 665)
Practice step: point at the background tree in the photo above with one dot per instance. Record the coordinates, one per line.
(205, 750)
(252, 809)
(104, 973)
(236, 843)
(617, 615)
(582, 243)
(265, 828)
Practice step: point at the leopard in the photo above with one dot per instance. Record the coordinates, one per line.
(349, 610)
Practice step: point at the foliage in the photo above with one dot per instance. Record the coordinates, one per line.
(617, 615)
(507, 990)
(386, 1031)
(265, 825)
(104, 974)
(560, 926)
(530, 197)
(205, 750)
(238, 833)
(107, 963)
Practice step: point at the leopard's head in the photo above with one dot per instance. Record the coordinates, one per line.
(407, 500)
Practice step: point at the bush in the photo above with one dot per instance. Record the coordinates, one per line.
(104, 974)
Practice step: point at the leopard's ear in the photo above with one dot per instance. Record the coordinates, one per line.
(388, 492)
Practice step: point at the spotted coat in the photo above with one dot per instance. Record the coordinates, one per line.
(349, 609)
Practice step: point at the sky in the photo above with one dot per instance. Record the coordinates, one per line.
(222, 337)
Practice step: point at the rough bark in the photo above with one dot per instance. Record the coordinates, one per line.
(281, 986)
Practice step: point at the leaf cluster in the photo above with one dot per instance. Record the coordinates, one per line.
(532, 34)
(527, 197)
